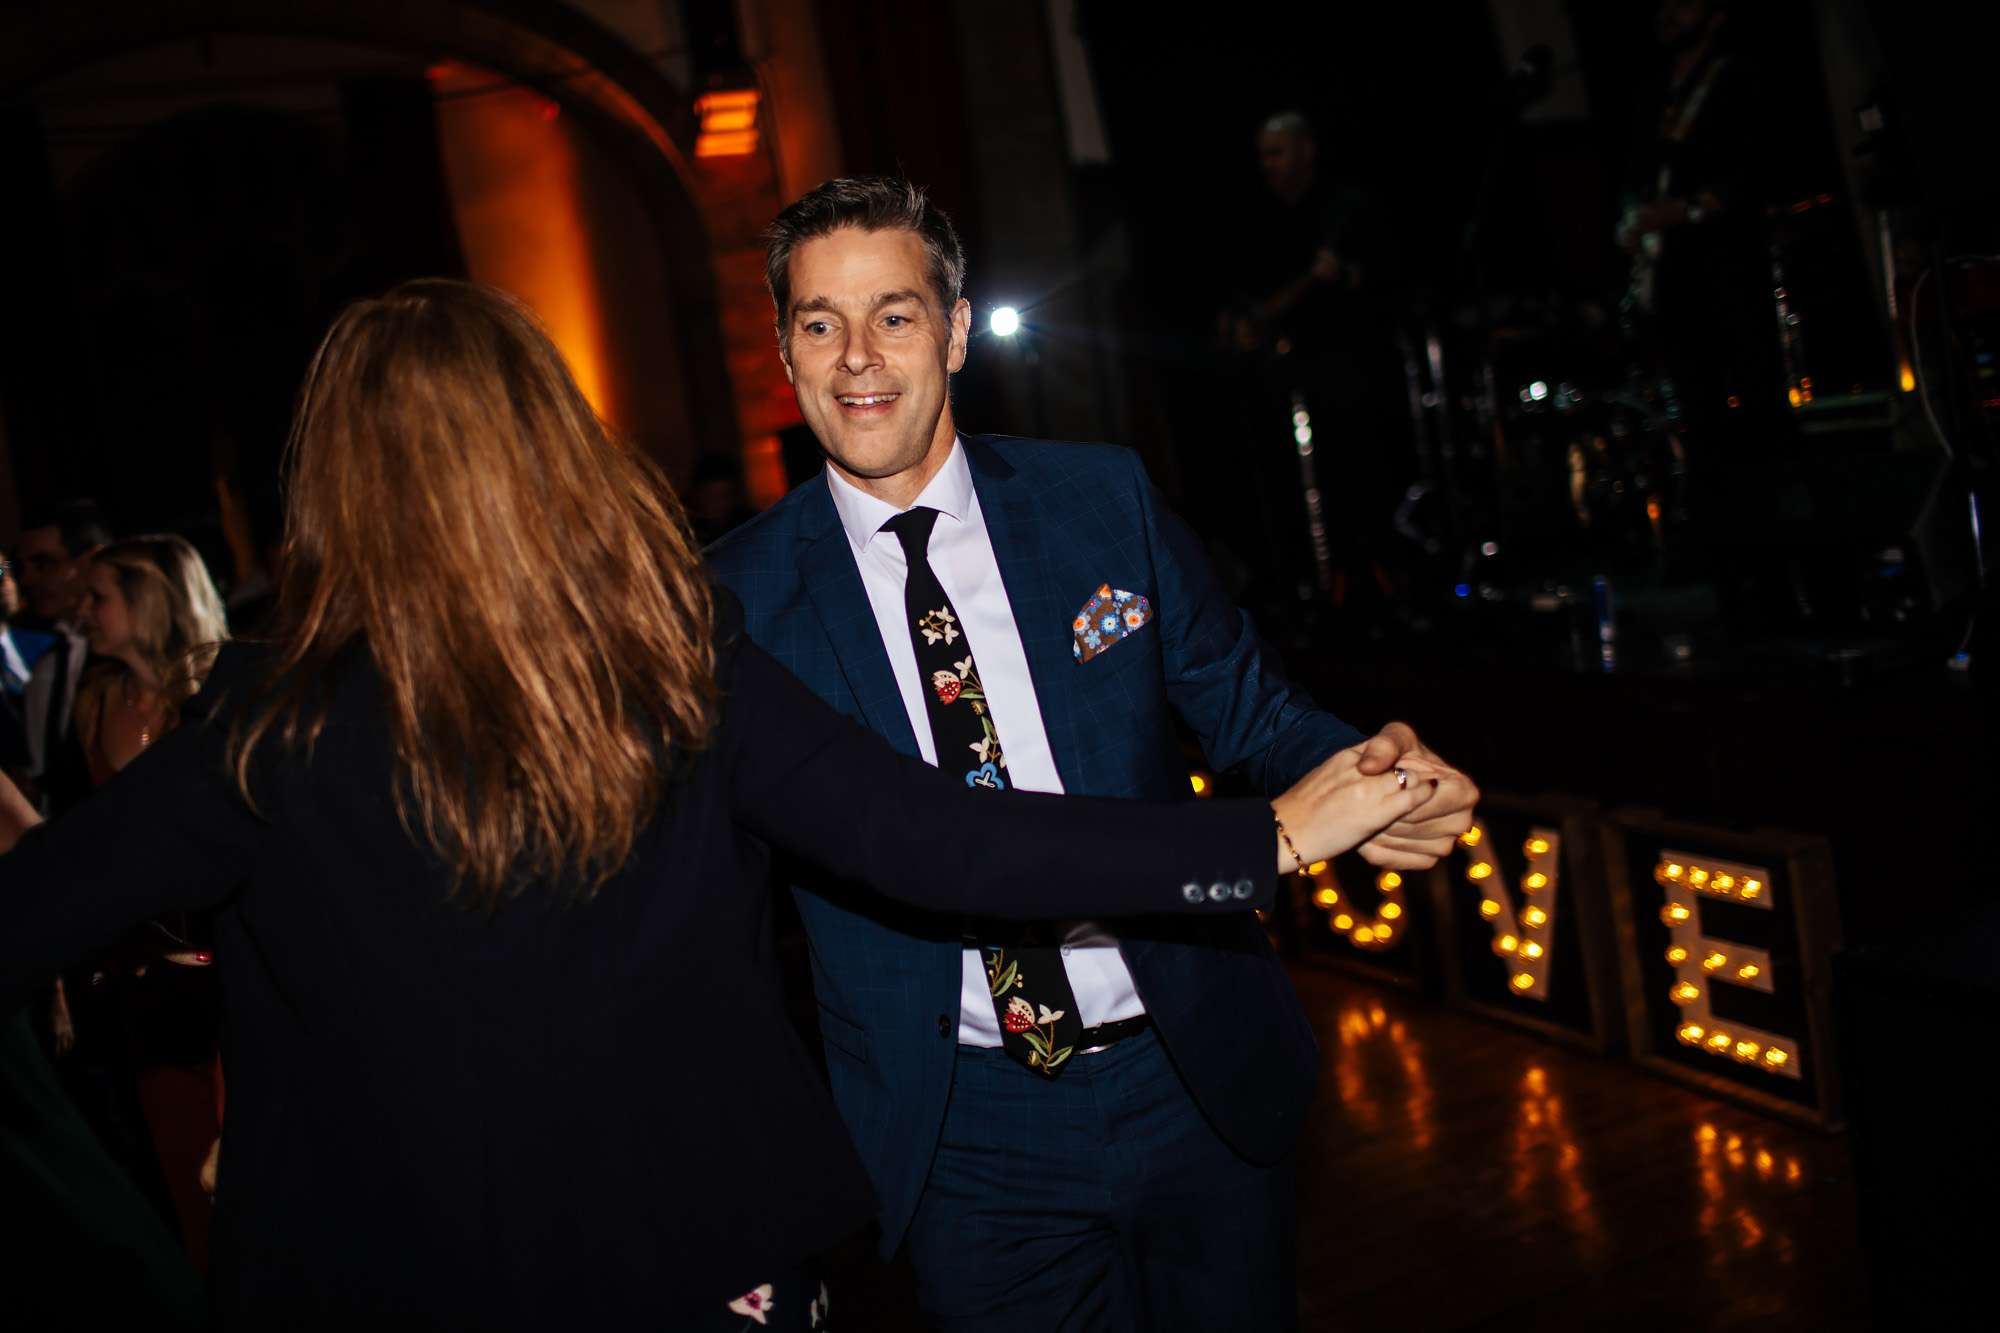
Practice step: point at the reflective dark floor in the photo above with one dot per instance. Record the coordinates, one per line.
(1462, 1175)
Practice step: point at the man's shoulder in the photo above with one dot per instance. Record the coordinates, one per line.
(766, 540)
(1055, 463)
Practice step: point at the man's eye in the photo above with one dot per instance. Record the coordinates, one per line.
(816, 327)
(896, 321)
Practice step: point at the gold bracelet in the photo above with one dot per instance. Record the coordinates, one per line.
(1288, 842)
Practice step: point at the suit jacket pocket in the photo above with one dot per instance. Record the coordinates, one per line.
(843, 1036)
(1113, 668)
(1105, 620)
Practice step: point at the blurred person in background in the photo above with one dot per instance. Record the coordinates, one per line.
(152, 618)
(50, 556)
(716, 502)
(149, 608)
(20, 649)
(1312, 322)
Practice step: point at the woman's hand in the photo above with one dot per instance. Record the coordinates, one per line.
(17, 816)
(209, 1166)
(62, 1028)
(1336, 808)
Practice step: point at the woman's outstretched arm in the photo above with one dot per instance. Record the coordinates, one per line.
(809, 780)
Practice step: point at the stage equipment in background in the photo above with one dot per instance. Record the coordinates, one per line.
(1302, 439)
(1957, 386)
(1524, 925)
(1727, 940)
(1867, 535)
(1830, 344)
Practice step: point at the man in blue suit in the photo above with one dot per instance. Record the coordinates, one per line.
(1071, 1129)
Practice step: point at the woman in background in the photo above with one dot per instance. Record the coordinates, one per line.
(153, 619)
(134, 1043)
(488, 829)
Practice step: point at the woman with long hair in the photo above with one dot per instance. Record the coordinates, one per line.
(487, 825)
(130, 1038)
(154, 620)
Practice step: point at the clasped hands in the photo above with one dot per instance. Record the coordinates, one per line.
(1355, 800)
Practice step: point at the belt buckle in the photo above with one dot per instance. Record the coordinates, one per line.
(1133, 1026)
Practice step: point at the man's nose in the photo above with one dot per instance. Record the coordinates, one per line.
(858, 351)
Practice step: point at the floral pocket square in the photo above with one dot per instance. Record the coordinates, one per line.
(1106, 618)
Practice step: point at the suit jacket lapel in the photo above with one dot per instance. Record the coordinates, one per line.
(833, 581)
(1024, 540)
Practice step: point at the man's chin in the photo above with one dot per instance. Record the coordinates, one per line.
(876, 465)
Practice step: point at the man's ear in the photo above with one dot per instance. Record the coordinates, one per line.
(785, 360)
(961, 331)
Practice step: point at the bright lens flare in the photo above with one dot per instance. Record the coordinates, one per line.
(1006, 321)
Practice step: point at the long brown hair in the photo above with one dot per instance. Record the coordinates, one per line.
(525, 584)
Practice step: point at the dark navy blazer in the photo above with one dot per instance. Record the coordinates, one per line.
(1064, 519)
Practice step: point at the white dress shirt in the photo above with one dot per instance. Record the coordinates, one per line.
(961, 555)
(13, 667)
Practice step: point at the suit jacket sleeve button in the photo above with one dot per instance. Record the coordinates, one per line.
(1244, 888)
(1218, 892)
(1191, 892)
(944, 1025)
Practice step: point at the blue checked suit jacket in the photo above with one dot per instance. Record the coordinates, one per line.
(1064, 519)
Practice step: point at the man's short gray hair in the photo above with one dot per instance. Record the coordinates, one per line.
(871, 203)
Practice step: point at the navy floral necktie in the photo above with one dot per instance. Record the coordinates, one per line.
(1031, 993)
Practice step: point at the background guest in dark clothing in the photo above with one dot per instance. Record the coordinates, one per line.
(20, 649)
(51, 554)
(716, 502)
(154, 620)
(1313, 322)
(126, 1015)
(54, 539)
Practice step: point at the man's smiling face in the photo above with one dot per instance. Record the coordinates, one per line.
(871, 355)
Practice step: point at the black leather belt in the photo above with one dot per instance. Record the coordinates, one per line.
(1092, 1040)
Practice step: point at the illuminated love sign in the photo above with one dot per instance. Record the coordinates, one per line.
(1729, 939)
(1549, 912)
(1366, 919)
(1702, 962)
(1522, 927)
(1374, 929)
(1525, 921)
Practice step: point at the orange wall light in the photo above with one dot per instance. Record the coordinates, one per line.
(728, 123)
